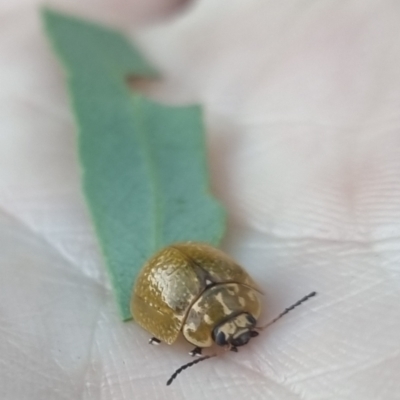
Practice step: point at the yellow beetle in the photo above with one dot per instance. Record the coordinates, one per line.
(198, 290)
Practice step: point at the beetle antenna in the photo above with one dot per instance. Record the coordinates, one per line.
(190, 364)
(287, 310)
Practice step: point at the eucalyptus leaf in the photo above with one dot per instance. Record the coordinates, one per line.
(144, 164)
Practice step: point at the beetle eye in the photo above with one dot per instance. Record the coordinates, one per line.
(220, 339)
(251, 319)
(242, 339)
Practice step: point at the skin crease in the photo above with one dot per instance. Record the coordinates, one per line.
(301, 102)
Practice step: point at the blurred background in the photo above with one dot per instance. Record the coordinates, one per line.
(301, 103)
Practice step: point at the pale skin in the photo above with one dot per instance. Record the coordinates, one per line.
(302, 103)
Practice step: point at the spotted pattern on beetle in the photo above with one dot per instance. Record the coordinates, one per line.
(215, 305)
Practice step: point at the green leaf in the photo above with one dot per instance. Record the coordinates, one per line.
(144, 164)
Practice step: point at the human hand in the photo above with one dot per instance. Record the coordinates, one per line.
(301, 102)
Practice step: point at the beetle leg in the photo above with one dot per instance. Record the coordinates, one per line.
(154, 341)
(196, 351)
(234, 349)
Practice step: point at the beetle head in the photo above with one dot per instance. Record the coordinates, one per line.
(235, 331)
